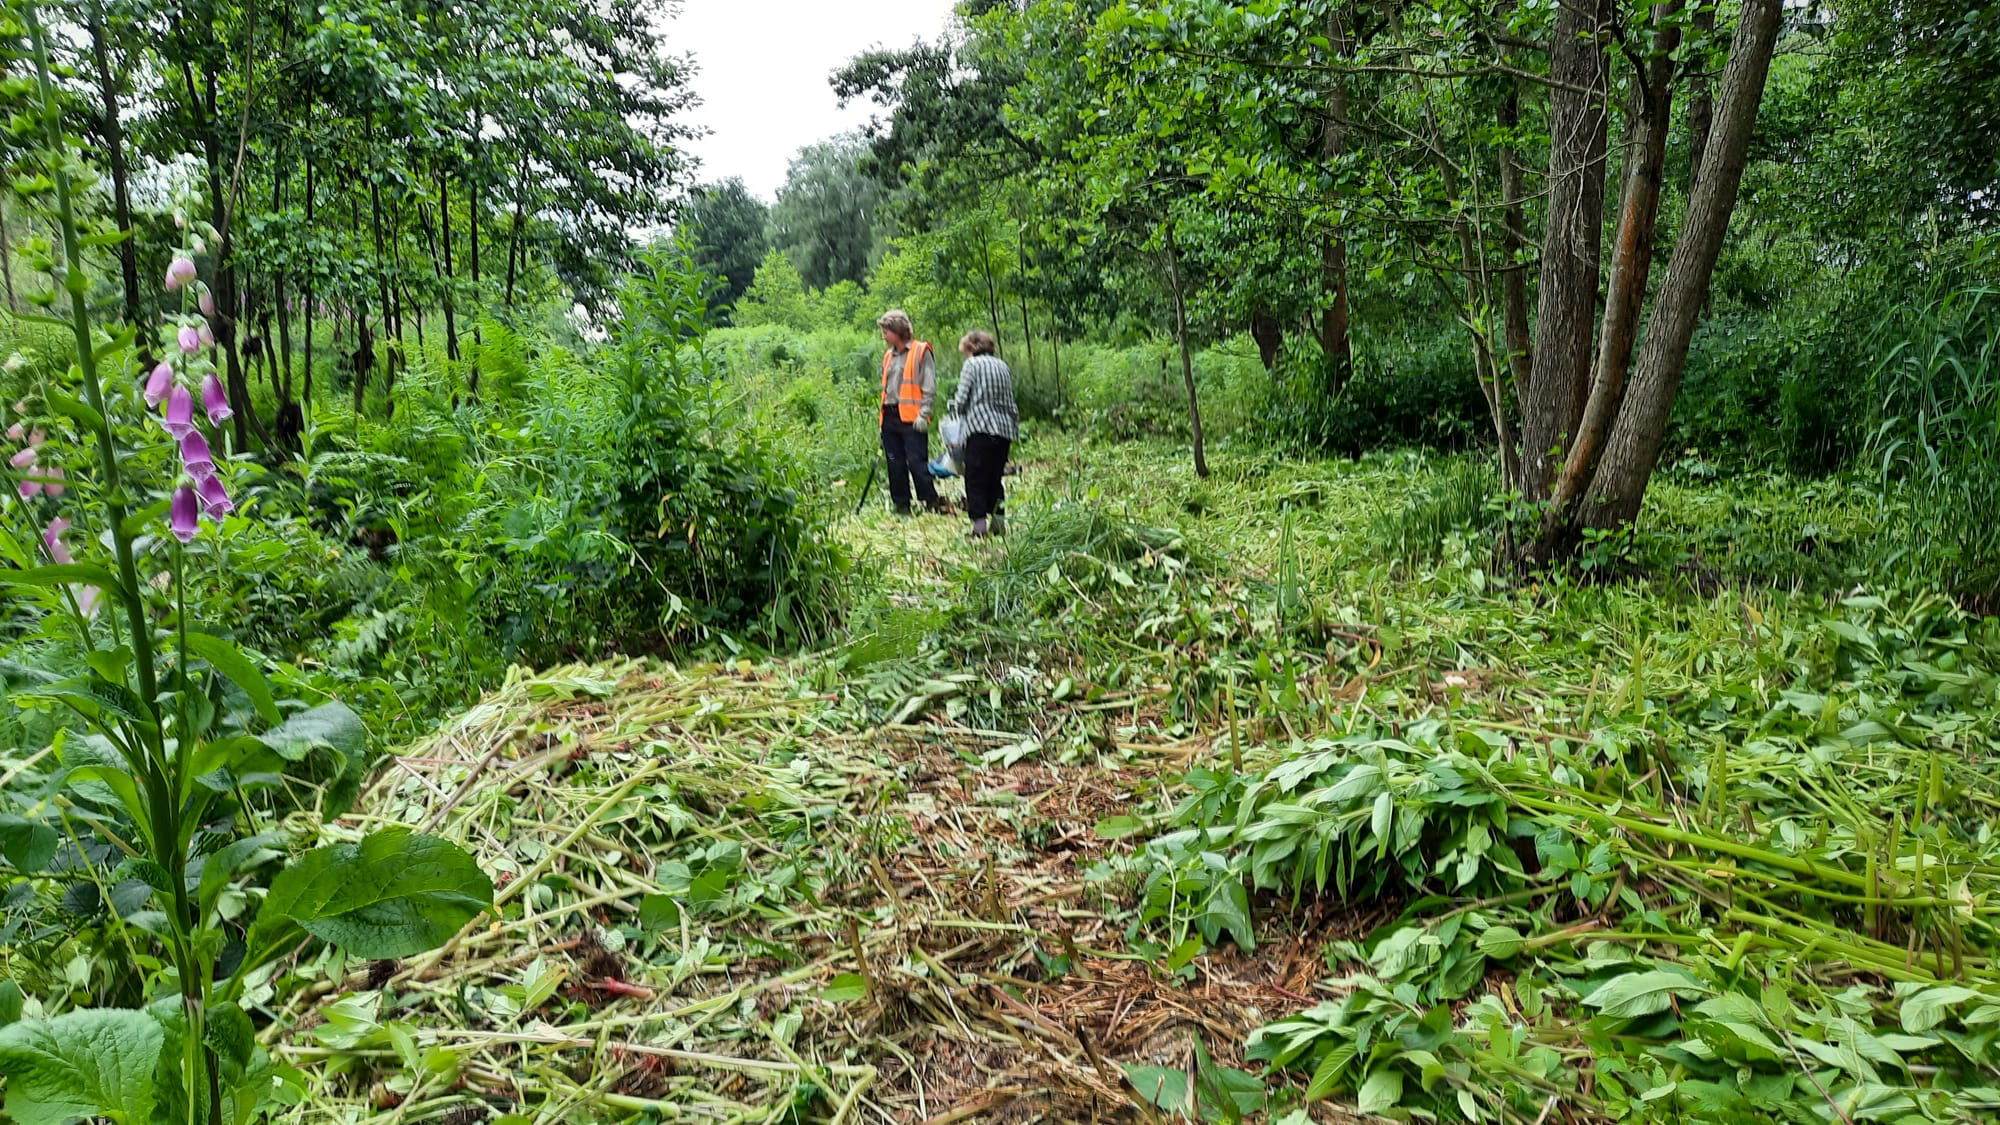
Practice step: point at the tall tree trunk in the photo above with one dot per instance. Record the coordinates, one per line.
(450, 271)
(1055, 352)
(391, 334)
(1648, 124)
(1335, 344)
(228, 302)
(114, 142)
(992, 294)
(1571, 249)
(7, 257)
(311, 296)
(514, 248)
(478, 295)
(1173, 263)
(1701, 110)
(1633, 450)
(1513, 235)
(1021, 293)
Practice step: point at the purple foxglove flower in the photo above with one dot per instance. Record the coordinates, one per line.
(37, 437)
(52, 539)
(15, 431)
(206, 337)
(180, 272)
(207, 303)
(159, 383)
(86, 599)
(195, 457)
(215, 501)
(182, 516)
(180, 412)
(215, 401)
(52, 481)
(24, 459)
(30, 489)
(190, 340)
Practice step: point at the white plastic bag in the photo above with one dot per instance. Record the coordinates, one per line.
(953, 432)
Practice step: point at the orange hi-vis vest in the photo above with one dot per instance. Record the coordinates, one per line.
(909, 397)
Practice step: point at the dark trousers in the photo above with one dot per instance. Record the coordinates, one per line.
(908, 452)
(985, 469)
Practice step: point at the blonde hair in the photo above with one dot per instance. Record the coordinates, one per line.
(897, 321)
(979, 343)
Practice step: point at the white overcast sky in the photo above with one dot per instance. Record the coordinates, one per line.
(763, 69)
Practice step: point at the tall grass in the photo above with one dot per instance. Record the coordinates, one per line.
(1935, 446)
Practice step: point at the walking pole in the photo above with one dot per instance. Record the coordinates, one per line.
(867, 488)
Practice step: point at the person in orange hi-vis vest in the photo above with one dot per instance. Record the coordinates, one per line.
(909, 387)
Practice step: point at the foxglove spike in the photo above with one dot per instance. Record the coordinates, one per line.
(215, 501)
(215, 401)
(157, 386)
(180, 413)
(195, 457)
(182, 516)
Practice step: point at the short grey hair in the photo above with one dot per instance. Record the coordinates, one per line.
(897, 321)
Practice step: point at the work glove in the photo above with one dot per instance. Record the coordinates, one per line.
(923, 423)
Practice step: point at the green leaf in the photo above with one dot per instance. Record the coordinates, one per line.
(229, 660)
(1119, 827)
(1381, 1092)
(1501, 943)
(845, 988)
(393, 894)
(330, 725)
(27, 845)
(1926, 1009)
(1163, 1086)
(1326, 1076)
(64, 574)
(97, 1062)
(1643, 994)
(659, 912)
(11, 1002)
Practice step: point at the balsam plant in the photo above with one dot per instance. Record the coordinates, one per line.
(174, 727)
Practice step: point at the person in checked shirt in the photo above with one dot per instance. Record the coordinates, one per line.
(985, 401)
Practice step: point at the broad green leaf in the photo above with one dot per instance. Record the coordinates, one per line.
(230, 660)
(1501, 943)
(1326, 1076)
(330, 725)
(97, 1062)
(845, 988)
(64, 574)
(1926, 1009)
(1164, 1086)
(659, 912)
(393, 894)
(1119, 827)
(27, 845)
(1381, 1092)
(12, 1001)
(1643, 994)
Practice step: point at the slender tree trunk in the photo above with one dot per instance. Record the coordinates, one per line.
(1334, 341)
(514, 249)
(7, 257)
(450, 272)
(390, 332)
(1187, 358)
(1633, 451)
(228, 301)
(1570, 244)
(1701, 110)
(992, 295)
(114, 144)
(478, 295)
(311, 308)
(1513, 235)
(1649, 121)
(1021, 293)
(1055, 352)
